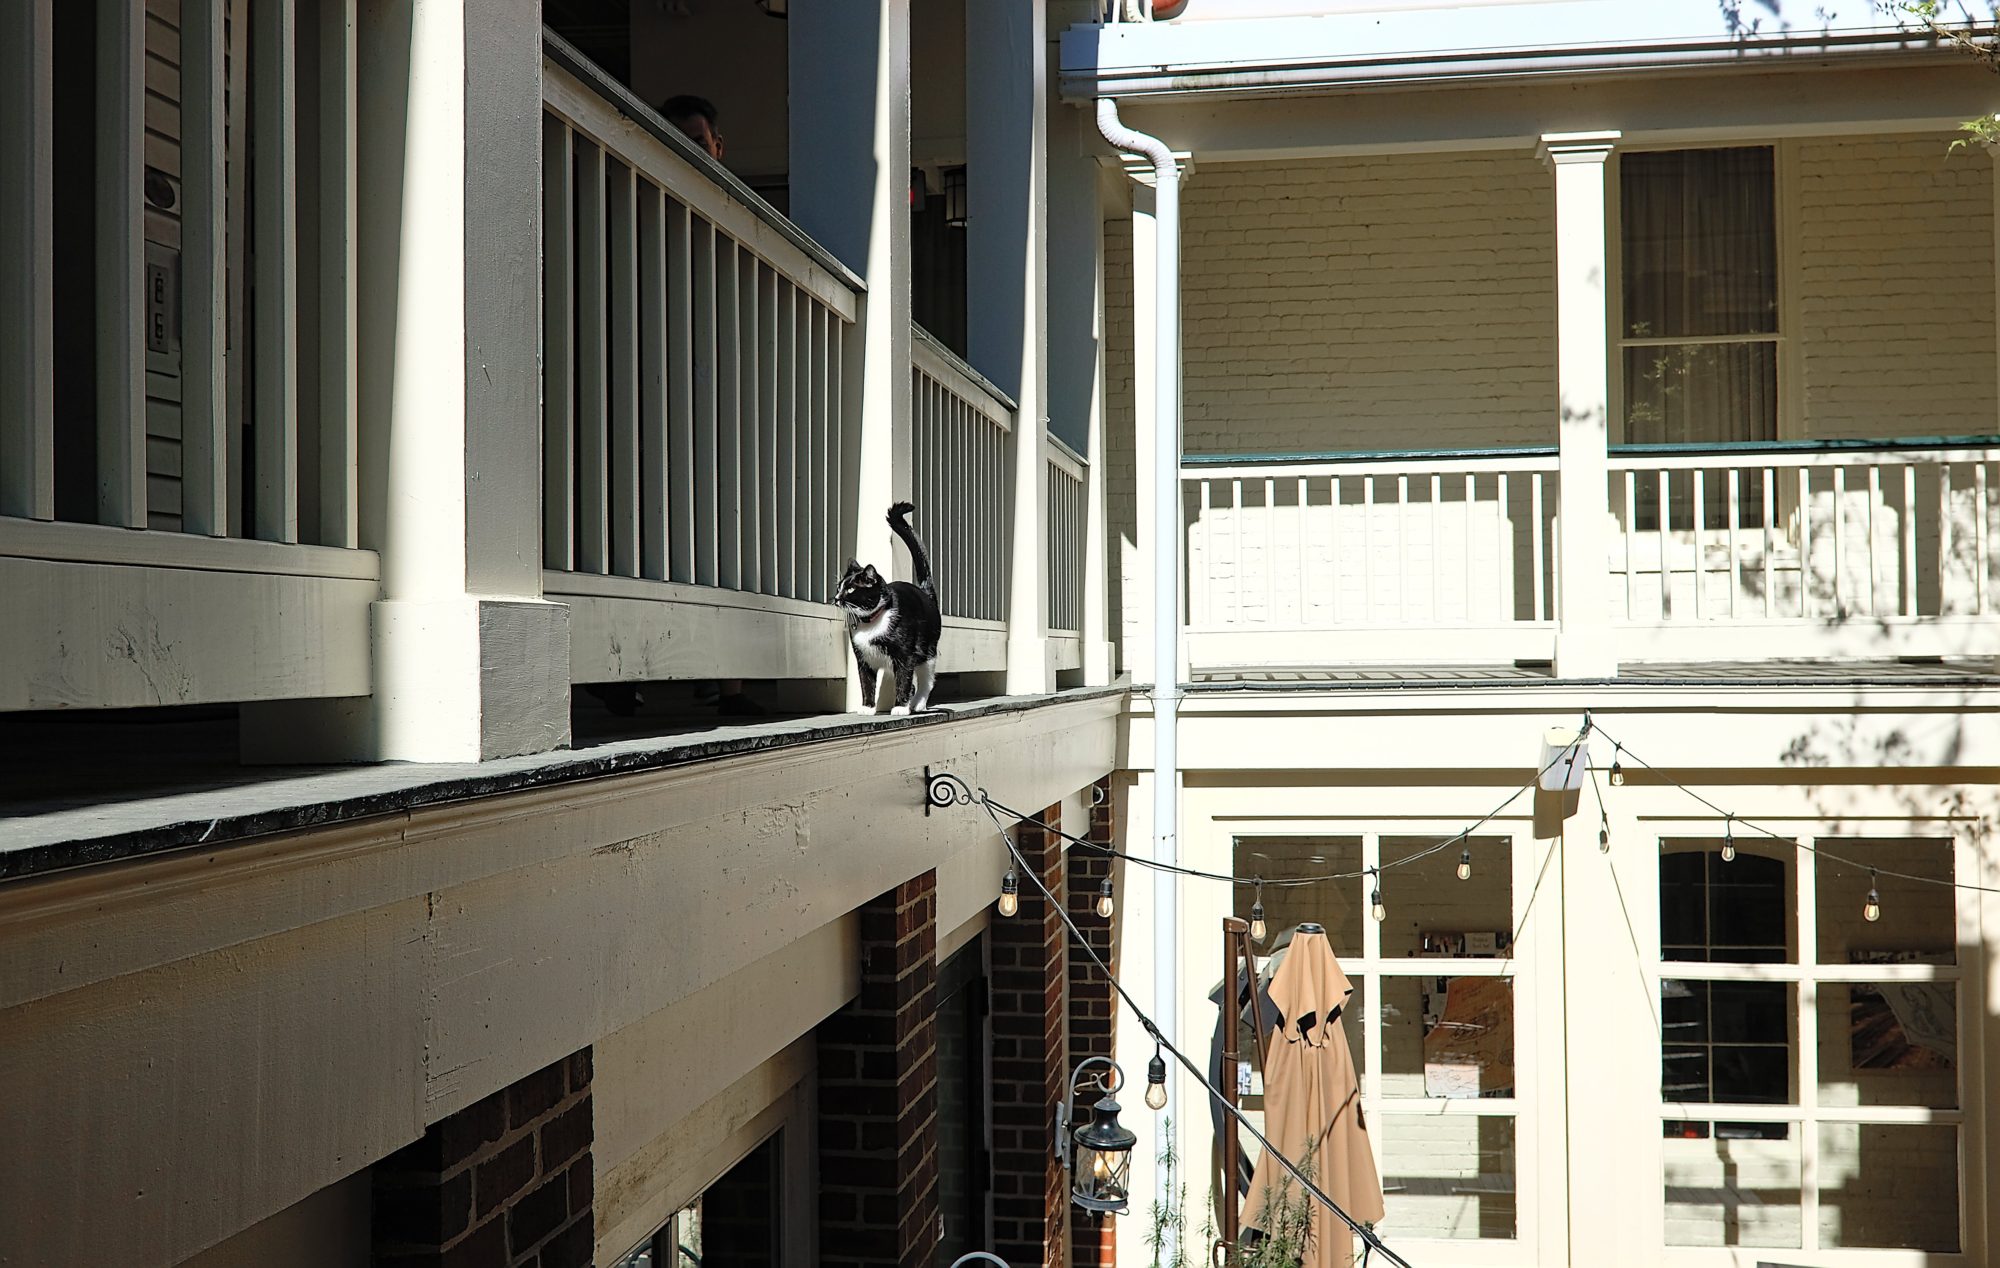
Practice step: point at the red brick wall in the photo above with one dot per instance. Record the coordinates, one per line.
(503, 1183)
(1092, 1003)
(1030, 1191)
(878, 1200)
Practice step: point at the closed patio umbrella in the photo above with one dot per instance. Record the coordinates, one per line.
(1312, 1106)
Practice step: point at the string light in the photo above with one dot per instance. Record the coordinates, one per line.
(1375, 907)
(1617, 770)
(1465, 864)
(1819, 851)
(1729, 840)
(1604, 836)
(1156, 1082)
(1871, 911)
(1258, 929)
(1372, 1243)
(1010, 893)
(1104, 899)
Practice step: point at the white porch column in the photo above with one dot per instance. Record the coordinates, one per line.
(1006, 280)
(850, 189)
(470, 662)
(1583, 635)
(1076, 356)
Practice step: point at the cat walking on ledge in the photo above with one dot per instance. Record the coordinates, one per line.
(893, 626)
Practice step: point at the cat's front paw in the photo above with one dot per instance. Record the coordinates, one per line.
(898, 711)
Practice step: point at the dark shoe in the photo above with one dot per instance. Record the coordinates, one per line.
(738, 705)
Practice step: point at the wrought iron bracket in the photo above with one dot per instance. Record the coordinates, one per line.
(942, 788)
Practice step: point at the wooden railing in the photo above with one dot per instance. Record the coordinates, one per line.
(1826, 550)
(961, 429)
(1374, 558)
(696, 431)
(207, 393)
(1066, 470)
(1859, 549)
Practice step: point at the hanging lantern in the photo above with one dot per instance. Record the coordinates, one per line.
(1101, 1152)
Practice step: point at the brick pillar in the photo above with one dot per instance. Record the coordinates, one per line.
(878, 1202)
(1093, 1005)
(1030, 1190)
(503, 1183)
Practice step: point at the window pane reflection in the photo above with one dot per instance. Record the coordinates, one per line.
(1448, 1176)
(1888, 1043)
(1336, 905)
(1448, 1037)
(1725, 1191)
(1432, 911)
(1918, 920)
(1887, 1185)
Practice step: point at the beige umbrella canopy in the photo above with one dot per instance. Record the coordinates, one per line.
(1312, 1107)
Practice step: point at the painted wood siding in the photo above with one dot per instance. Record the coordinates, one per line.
(1895, 287)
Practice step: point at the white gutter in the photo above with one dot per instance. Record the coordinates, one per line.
(1166, 569)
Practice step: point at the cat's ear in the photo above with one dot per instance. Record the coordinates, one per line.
(870, 573)
(853, 566)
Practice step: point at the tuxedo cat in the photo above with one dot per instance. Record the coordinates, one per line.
(893, 625)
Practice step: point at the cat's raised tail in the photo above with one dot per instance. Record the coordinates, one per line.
(918, 559)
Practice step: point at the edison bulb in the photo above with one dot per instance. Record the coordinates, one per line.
(1376, 909)
(1465, 865)
(1156, 1096)
(1617, 774)
(1871, 911)
(1156, 1083)
(1104, 904)
(1257, 927)
(1728, 850)
(1010, 893)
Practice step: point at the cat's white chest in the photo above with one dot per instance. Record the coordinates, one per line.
(867, 638)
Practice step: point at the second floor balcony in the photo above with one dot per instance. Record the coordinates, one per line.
(1750, 554)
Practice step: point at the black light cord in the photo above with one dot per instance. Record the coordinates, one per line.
(1371, 1243)
(1287, 882)
(1794, 842)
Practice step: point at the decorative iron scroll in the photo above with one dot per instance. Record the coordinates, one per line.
(942, 788)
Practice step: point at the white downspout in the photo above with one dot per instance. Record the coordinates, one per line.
(1166, 565)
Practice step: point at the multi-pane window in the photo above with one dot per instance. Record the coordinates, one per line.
(1724, 1042)
(1698, 332)
(1432, 1020)
(1809, 1055)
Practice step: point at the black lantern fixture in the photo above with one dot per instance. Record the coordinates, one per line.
(1098, 1153)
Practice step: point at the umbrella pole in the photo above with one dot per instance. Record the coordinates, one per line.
(1233, 932)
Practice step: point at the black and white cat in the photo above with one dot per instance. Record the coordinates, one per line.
(893, 626)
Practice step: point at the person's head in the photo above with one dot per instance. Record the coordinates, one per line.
(695, 117)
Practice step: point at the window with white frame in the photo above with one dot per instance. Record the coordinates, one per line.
(1810, 1054)
(1431, 1022)
(1698, 330)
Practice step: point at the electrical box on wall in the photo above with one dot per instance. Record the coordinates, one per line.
(163, 309)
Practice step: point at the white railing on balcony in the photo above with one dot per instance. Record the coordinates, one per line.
(696, 436)
(961, 449)
(1826, 548)
(1066, 470)
(207, 394)
(1371, 558)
